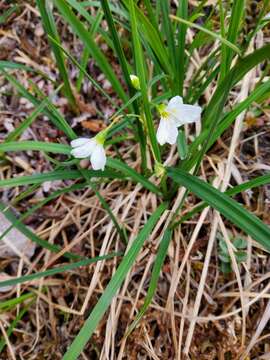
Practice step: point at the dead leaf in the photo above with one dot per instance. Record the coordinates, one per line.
(93, 125)
(83, 107)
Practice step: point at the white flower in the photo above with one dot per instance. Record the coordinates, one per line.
(135, 81)
(266, 17)
(84, 147)
(174, 115)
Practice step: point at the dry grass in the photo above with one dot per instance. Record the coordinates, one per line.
(197, 312)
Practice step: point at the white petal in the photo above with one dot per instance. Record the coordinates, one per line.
(79, 142)
(98, 158)
(167, 132)
(85, 150)
(175, 103)
(186, 114)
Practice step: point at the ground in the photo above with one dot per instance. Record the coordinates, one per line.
(232, 307)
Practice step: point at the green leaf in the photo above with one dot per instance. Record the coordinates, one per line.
(223, 246)
(224, 257)
(225, 267)
(84, 72)
(30, 235)
(214, 110)
(29, 120)
(128, 171)
(241, 256)
(11, 303)
(182, 145)
(57, 270)
(140, 67)
(236, 20)
(182, 12)
(50, 29)
(14, 324)
(160, 257)
(58, 175)
(53, 114)
(240, 243)
(209, 32)
(259, 181)
(92, 47)
(114, 284)
(6, 14)
(225, 205)
(152, 35)
(35, 145)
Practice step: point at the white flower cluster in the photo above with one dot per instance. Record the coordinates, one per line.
(174, 115)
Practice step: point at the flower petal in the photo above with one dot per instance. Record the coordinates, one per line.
(79, 142)
(167, 132)
(85, 150)
(98, 158)
(174, 103)
(186, 114)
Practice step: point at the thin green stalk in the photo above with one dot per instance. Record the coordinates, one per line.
(142, 76)
(86, 53)
(50, 29)
(223, 67)
(126, 73)
(113, 286)
(182, 12)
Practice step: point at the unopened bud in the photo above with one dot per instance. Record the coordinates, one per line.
(159, 169)
(135, 81)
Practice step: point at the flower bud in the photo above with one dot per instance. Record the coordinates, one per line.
(135, 81)
(159, 169)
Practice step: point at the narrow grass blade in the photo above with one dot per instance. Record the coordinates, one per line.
(168, 32)
(6, 14)
(228, 207)
(104, 302)
(128, 171)
(120, 230)
(117, 45)
(80, 8)
(50, 29)
(259, 181)
(84, 72)
(57, 270)
(126, 73)
(182, 12)
(29, 120)
(35, 145)
(4, 64)
(182, 145)
(13, 324)
(224, 49)
(140, 66)
(151, 14)
(161, 255)
(56, 118)
(11, 303)
(85, 54)
(236, 19)
(211, 33)
(215, 107)
(228, 118)
(30, 235)
(92, 47)
(152, 35)
(58, 175)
